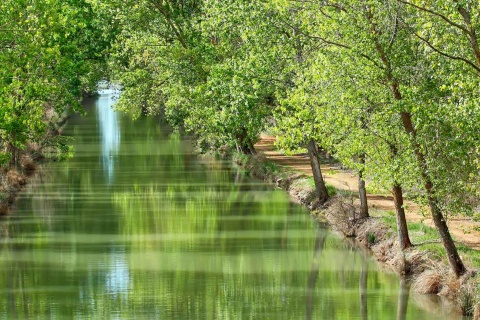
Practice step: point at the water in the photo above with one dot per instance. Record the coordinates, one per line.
(136, 226)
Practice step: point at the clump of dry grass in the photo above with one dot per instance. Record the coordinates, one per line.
(341, 213)
(429, 282)
(468, 295)
(385, 252)
(15, 178)
(476, 312)
(417, 261)
(438, 279)
(450, 286)
(35, 150)
(400, 262)
(27, 163)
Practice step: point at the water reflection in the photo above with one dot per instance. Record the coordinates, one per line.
(363, 288)
(118, 277)
(403, 295)
(109, 133)
(174, 237)
(314, 271)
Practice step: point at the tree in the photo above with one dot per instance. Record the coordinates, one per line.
(386, 45)
(194, 62)
(49, 59)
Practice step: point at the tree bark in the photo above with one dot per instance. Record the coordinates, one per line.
(244, 143)
(362, 191)
(440, 224)
(320, 187)
(246, 148)
(402, 228)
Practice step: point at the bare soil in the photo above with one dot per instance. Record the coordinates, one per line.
(463, 229)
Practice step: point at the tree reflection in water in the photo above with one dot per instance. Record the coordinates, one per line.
(314, 269)
(363, 287)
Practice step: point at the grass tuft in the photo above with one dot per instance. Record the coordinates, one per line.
(15, 178)
(429, 282)
(371, 238)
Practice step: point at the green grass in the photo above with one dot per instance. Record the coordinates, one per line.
(371, 238)
(330, 172)
(332, 191)
(420, 233)
(471, 256)
(271, 167)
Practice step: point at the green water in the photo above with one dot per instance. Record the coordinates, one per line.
(136, 226)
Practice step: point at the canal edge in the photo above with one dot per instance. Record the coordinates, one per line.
(427, 274)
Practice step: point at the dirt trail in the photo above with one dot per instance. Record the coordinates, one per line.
(463, 229)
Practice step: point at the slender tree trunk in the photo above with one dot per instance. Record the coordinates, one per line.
(362, 191)
(244, 143)
(320, 186)
(438, 219)
(242, 148)
(14, 152)
(402, 228)
(246, 147)
(440, 224)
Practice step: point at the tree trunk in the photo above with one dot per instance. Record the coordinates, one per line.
(246, 148)
(14, 152)
(440, 224)
(362, 191)
(320, 187)
(406, 117)
(402, 228)
(244, 143)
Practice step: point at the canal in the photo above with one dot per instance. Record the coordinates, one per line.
(137, 226)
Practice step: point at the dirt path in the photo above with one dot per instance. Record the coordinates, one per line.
(463, 229)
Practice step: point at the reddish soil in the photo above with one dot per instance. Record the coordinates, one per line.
(463, 229)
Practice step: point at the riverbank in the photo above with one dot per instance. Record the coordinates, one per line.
(423, 265)
(15, 177)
